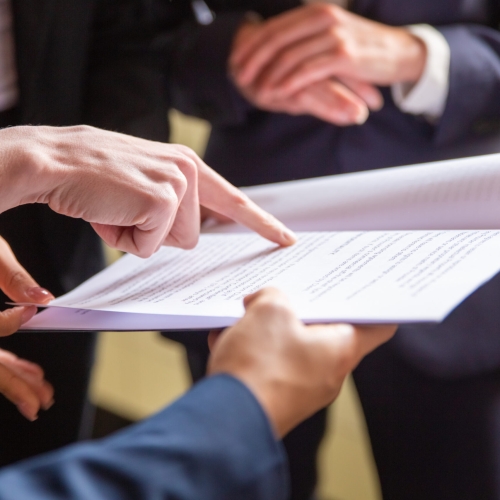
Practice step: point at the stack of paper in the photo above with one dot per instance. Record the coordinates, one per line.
(409, 244)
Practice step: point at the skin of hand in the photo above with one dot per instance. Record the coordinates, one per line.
(137, 194)
(316, 42)
(293, 370)
(21, 381)
(345, 102)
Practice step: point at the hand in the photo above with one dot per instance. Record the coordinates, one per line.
(137, 194)
(19, 286)
(293, 370)
(23, 383)
(342, 103)
(312, 43)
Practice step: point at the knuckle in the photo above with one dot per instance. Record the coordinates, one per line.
(189, 242)
(177, 181)
(325, 11)
(169, 202)
(14, 279)
(81, 128)
(333, 34)
(182, 148)
(344, 50)
(238, 199)
(266, 307)
(272, 306)
(189, 169)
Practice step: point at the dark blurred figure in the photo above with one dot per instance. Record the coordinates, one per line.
(66, 63)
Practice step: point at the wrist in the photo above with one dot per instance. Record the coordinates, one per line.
(25, 176)
(276, 400)
(413, 57)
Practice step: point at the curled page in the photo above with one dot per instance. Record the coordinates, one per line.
(454, 194)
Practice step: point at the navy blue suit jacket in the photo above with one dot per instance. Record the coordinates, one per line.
(249, 146)
(215, 443)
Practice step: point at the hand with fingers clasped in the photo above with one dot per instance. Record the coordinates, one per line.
(322, 60)
(21, 381)
(293, 370)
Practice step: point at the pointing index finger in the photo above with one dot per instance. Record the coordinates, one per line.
(219, 195)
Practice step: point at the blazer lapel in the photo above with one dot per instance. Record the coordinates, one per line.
(32, 20)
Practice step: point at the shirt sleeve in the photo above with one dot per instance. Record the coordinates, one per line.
(428, 96)
(214, 443)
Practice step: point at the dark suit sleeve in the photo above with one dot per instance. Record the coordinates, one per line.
(473, 104)
(215, 443)
(198, 78)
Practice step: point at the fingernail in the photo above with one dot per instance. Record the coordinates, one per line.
(27, 314)
(26, 411)
(39, 294)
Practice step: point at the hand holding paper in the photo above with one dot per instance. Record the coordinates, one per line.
(390, 273)
(270, 350)
(21, 381)
(17, 284)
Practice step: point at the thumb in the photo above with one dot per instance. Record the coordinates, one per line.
(371, 337)
(16, 282)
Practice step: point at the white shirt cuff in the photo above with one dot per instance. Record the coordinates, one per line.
(428, 96)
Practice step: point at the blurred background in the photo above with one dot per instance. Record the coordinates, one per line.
(137, 373)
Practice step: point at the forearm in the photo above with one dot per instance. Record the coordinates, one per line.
(213, 443)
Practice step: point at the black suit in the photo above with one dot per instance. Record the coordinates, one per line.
(78, 61)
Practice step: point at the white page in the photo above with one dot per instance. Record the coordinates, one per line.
(395, 276)
(454, 194)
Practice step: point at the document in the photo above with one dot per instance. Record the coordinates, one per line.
(349, 276)
(404, 244)
(454, 194)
